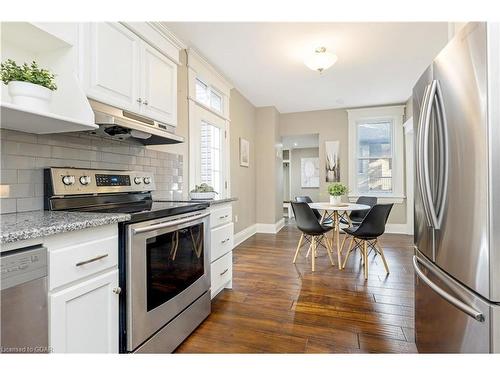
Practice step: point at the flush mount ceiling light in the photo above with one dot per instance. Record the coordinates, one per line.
(320, 60)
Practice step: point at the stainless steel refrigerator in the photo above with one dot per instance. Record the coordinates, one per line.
(456, 115)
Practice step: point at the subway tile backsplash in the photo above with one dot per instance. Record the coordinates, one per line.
(24, 156)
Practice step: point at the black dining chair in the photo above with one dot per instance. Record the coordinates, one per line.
(312, 232)
(357, 217)
(366, 234)
(307, 199)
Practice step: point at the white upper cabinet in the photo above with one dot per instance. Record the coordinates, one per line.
(112, 65)
(159, 86)
(121, 69)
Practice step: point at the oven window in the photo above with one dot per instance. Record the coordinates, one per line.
(174, 261)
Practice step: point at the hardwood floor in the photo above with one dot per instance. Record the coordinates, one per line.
(278, 307)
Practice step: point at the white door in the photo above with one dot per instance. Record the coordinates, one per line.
(159, 86)
(84, 317)
(113, 65)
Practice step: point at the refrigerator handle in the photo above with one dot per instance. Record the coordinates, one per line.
(426, 103)
(443, 153)
(477, 315)
(425, 156)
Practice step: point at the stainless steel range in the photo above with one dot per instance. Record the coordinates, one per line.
(164, 253)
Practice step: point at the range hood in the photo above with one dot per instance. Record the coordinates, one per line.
(116, 123)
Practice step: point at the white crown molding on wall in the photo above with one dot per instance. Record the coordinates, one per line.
(199, 58)
(174, 39)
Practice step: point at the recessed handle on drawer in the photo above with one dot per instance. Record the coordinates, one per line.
(223, 272)
(223, 217)
(224, 241)
(91, 260)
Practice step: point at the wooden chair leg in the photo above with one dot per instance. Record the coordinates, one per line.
(313, 252)
(298, 248)
(309, 249)
(329, 250)
(365, 260)
(349, 250)
(343, 241)
(381, 251)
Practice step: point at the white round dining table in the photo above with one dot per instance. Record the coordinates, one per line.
(335, 212)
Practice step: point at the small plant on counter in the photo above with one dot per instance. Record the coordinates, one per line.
(203, 192)
(11, 72)
(203, 188)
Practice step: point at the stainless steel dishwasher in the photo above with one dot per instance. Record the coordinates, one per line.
(23, 300)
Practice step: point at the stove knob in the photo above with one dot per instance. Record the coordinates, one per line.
(137, 180)
(85, 180)
(68, 180)
(147, 180)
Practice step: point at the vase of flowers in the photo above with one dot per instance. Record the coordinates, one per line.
(29, 86)
(336, 191)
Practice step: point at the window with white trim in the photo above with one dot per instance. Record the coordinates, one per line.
(211, 140)
(376, 159)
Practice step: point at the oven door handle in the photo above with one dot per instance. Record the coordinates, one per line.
(168, 224)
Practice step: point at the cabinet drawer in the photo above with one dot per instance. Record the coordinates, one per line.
(220, 216)
(75, 262)
(221, 272)
(221, 241)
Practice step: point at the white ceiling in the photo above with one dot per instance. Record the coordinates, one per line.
(300, 141)
(378, 63)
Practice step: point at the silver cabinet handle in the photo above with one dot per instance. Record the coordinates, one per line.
(223, 272)
(223, 217)
(145, 102)
(224, 241)
(167, 224)
(139, 100)
(91, 260)
(117, 290)
(448, 297)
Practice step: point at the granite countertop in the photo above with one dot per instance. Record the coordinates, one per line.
(210, 202)
(32, 224)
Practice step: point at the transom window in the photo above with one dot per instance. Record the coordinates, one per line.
(208, 96)
(374, 157)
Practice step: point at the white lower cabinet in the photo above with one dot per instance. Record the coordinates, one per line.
(84, 290)
(221, 248)
(84, 317)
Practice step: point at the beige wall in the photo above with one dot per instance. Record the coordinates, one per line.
(242, 178)
(269, 172)
(331, 125)
(296, 188)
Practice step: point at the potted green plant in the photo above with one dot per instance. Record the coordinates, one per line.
(336, 191)
(203, 192)
(29, 85)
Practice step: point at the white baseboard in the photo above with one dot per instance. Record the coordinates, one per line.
(270, 228)
(244, 234)
(398, 229)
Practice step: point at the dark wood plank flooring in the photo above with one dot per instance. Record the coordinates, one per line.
(278, 307)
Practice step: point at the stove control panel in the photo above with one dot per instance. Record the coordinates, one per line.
(74, 181)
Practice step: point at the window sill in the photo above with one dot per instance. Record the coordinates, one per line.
(380, 198)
